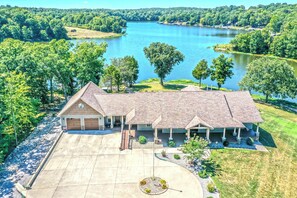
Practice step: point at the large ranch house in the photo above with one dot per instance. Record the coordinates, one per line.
(213, 115)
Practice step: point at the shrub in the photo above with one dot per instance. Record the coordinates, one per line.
(250, 141)
(164, 186)
(176, 156)
(147, 190)
(142, 139)
(203, 174)
(142, 183)
(164, 154)
(162, 181)
(226, 143)
(171, 143)
(211, 187)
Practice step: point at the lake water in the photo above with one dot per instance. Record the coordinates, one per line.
(194, 42)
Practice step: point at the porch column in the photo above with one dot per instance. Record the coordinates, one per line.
(156, 134)
(224, 135)
(257, 132)
(170, 137)
(238, 135)
(207, 134)
(103, 122)
(122, 123)
(82, 123)
(111, 122)
(129, 128)
(188, 134)
(234, 132)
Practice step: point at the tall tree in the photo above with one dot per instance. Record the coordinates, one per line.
(221, 69)
(118, 80)
(89, 61)
(109, 75)
(163, 57)
(272, 77)
(128, 67)
(20, 108)
(201, 71)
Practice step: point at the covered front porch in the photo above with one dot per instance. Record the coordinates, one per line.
(215, 137)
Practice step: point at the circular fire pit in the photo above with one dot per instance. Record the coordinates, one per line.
(153, 185)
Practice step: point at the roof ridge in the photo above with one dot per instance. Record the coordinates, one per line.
(228, 105)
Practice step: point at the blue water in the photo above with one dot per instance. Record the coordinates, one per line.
(194, 42)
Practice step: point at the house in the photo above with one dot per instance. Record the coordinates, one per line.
(186, 111)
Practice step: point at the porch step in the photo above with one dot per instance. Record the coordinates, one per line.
(125, 140)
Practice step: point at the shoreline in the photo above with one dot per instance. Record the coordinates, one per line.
(75, 33)
(208, 26)
(226, 48)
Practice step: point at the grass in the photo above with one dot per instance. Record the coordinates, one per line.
(153, 85)
(82, 33)
(246, 173)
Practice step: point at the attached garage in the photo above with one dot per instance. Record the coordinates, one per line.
(91, 124)
(73, 124)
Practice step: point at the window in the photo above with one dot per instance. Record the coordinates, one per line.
(148, 125)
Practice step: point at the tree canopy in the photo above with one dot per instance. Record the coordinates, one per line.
(221, 69)
(271, 77)
(163, 57)
(201, 71)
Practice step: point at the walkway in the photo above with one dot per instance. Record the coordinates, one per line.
(93, 166)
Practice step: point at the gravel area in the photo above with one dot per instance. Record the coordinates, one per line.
(22, 163)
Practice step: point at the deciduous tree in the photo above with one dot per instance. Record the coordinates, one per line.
(201, 71)
(271, 77)
(163, 57)
(221, 69)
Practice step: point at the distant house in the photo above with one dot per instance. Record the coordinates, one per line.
(162, 112)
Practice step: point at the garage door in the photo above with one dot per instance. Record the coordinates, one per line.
(91, 124)
(73, 124)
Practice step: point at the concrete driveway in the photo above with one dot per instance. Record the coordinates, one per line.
(92, 166)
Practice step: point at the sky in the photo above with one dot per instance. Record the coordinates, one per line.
(123, 4)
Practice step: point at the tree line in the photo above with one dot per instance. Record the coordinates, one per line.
(95, 21)
(278, 38)
(21, 24)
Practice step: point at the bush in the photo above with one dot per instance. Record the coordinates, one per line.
(164, 186)
(171, 143)
(164, 154)
(226, 143)
(162, 181)
(147, 190)
(250, 141)
(211, 187)
(142, 139)
(142, 183)
(203, 174)
(176, 156)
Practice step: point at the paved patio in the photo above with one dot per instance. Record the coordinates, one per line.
(92, 166)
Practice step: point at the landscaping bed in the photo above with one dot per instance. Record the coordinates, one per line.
(205, 182)
(153, 186)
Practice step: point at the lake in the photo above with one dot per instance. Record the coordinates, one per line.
(194, 42)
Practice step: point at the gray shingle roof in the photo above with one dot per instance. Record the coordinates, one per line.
(180, 109)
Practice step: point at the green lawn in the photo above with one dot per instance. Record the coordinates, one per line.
(258, 174)
(153, 84)
(244, 173)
